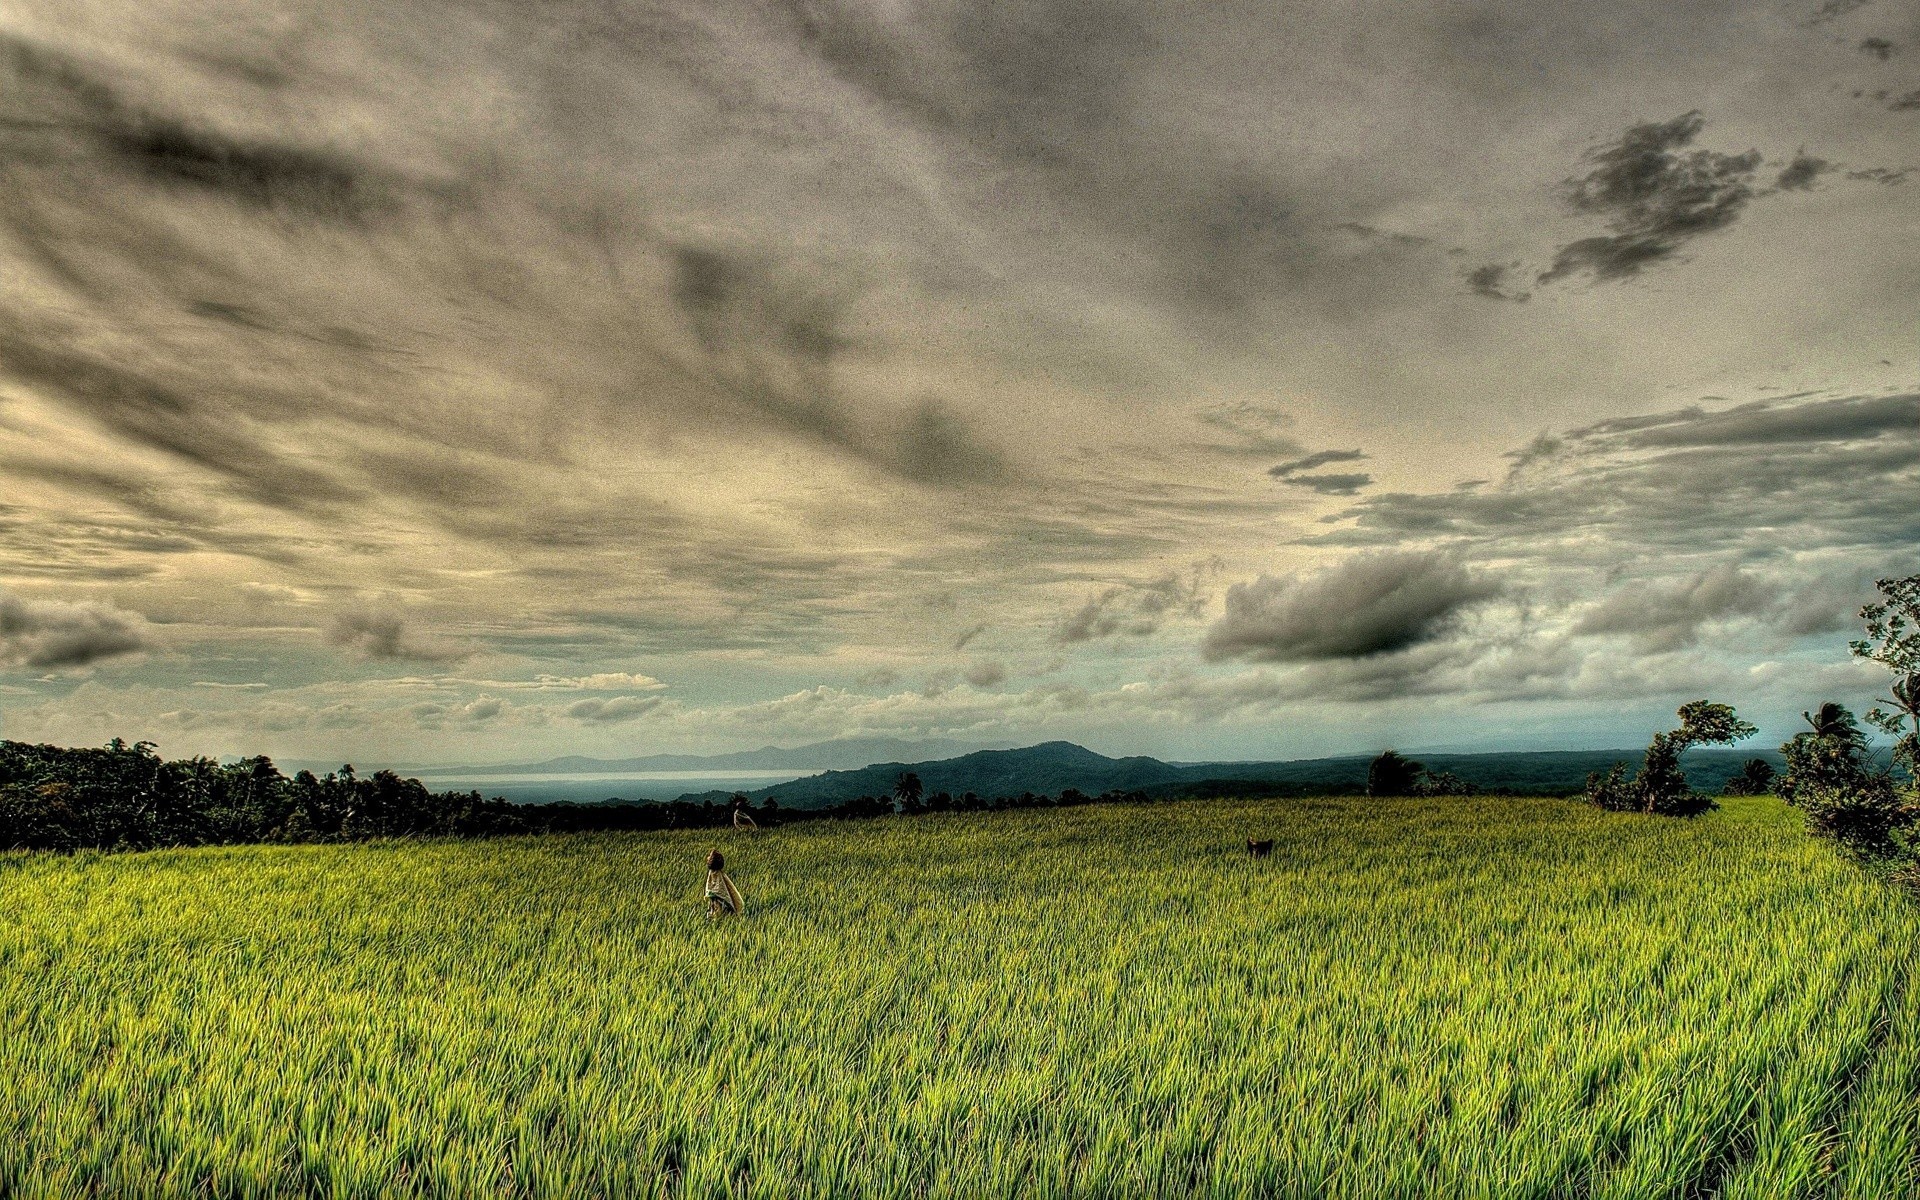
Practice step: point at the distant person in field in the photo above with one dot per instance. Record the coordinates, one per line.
(742, 823)
(722, 897)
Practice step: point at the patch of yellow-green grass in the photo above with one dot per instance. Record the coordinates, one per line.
(1452, 998)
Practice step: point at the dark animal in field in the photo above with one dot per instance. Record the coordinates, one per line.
(1259, 849)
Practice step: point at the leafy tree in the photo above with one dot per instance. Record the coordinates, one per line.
(1393, 775)
(1827, 754)
(1893, 641)
(1660, 787)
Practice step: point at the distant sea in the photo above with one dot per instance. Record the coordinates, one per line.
(588, 787)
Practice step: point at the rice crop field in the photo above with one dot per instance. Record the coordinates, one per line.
(1449, 998)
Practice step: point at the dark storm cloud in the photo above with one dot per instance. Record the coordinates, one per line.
(169, 151)
(1319, 458)
(1764, 423)
(1655, 195)
(48, 634)
(1367, 605)
(1800, 174)
(1331, 484)
(985, 674)
(1490, 280)
(1252, 430)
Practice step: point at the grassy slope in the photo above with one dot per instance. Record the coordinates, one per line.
(1499, 998)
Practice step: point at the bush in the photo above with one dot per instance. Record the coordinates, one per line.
(1870, 820)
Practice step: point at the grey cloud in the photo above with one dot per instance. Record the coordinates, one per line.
(1655, 195)
(968, 634)
(1318, 459)
(1810, 474)
(1331, 484)
(51, 634)
(606, 712)
(478, 711)
(1828, 604)
(1668, 616)
(772, 342)
(381, 634)
(1491, 280)
(1906, 103)
(171, 152)
(1835, 9)
(1800, 174)
(1254, 430)
(1882, 175)
(1763, 423)
(986, 673)
(1135, 610)
(1879, 47)
(1366, 605)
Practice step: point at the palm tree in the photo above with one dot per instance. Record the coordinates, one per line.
(1832, 721)
(907, 789)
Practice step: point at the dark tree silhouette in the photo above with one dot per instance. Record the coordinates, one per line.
(907, 791)
(1392, 775)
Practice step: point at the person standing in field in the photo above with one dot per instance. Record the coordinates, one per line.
(722, 896)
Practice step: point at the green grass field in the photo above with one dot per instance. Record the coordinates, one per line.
(1411, 998)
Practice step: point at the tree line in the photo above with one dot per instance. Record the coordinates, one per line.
(126, 797)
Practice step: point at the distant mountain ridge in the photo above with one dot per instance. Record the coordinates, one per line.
(818, 756)
(1052, 767)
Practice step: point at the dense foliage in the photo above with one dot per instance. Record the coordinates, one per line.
(1393, 774)
(1893, 641)
(1511, 998)
(1660, 787)
(1871, 813)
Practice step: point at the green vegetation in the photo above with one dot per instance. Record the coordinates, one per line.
(1474, 997)
(1392, 774)
(1660, 787)
(1871, 814)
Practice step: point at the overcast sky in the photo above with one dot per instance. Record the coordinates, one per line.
(428, 381)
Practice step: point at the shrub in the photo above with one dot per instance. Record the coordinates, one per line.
(1870, 820)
